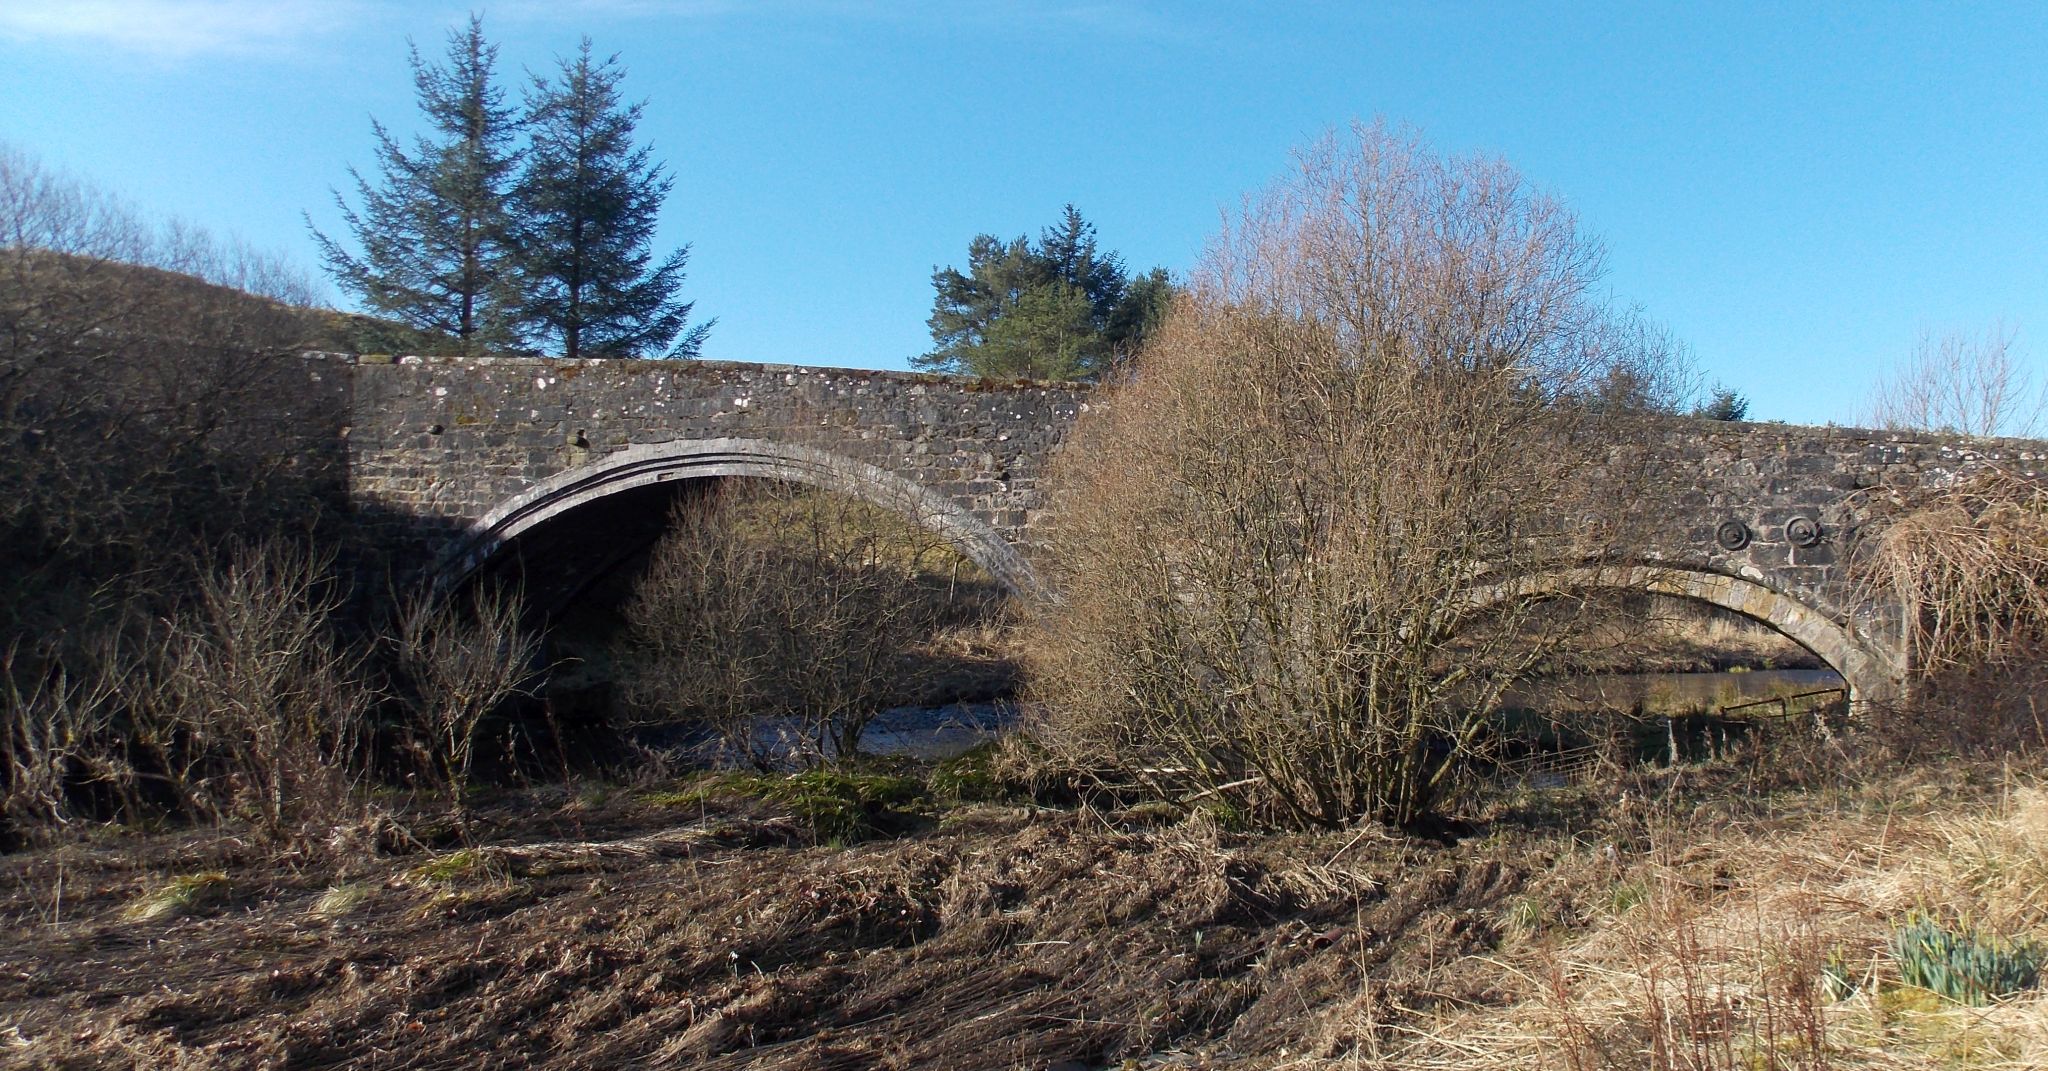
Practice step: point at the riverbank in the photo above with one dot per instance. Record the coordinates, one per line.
(709, 924)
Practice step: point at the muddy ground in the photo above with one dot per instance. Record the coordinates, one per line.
(607, 927)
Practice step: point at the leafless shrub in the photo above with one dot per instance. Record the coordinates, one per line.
(253, 706)
(54, 733)
(461, 659)
(1961, 384)
(1287, 549)
(149, 417)
(774, 601)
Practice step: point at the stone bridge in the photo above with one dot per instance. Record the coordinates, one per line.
(476, 464)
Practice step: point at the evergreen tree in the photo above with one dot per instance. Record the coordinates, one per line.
(1725, 403)
(1141, 310)
(1058, 308)
(1068, 250)
(433, 231)
(1048, 333)
(967, 305)
(586, 204)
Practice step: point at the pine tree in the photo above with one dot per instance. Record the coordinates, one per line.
(967, 305)
(1049, 332)
(433, 231)
(1058, 308)
(586, 204)
(1068, 251)
(1724, 403)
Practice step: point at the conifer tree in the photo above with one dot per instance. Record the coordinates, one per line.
(586, 203)
(1057, 308)
(434, 231)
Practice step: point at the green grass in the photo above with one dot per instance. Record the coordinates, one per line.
(183, 895)
(1627, 895)
(461, 865)
(970, 777)
(841, 806)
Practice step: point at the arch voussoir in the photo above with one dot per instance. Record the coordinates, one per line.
(1871, 672)
(655, 463)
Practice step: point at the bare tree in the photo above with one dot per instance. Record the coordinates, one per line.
(1962, 384)
(55, 736)
(461, 659)
(1288, 549)
(775, 601)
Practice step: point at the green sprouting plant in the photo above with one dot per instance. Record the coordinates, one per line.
(1964, 965)
(968, 777)
(1526, 915)
(1837, 980)
(840, 806)
(1627, 895)
(458, 866)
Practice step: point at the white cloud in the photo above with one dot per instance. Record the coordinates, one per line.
(180, 29)
(175, 28)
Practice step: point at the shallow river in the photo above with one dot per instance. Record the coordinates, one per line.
(1659, 693)
(944, 731)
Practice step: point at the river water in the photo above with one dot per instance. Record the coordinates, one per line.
(1668, 693)
(941, 732)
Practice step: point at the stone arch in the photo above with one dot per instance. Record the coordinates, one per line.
(1870, 671)
(650, 464)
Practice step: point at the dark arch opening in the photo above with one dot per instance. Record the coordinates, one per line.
(625, 484)
(577, 552)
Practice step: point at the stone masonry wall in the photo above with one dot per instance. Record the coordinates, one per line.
(1770, 477)
(438, 442)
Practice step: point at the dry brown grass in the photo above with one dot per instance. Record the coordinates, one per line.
(1714, 957)
(1664, 922)
(1968, 563)
(1006, 938)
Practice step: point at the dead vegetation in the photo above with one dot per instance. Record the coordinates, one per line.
(175, 639)
(1666, 922)
(1282, 627)
(771, 601)
(1968, 565)
(1374, 407)
(251, 705)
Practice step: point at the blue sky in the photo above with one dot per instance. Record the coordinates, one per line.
(1797, 190)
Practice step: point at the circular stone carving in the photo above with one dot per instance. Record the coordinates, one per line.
(1732, 535)
(1802, 531)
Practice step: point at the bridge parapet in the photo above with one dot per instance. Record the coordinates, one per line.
(442, 442)
(1784, 505)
